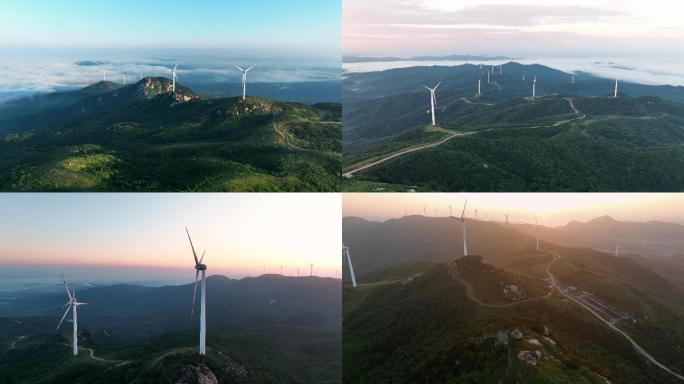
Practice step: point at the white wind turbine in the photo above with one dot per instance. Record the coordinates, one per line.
(479, 86)
(534, 87)
(104, 75)
(616, 88)
(617, 243)
(174, 78)
(244, 79)
(433, 100)
(73, 305)
(537, 231)
(124, 75)
(463, 226)
(203, 314)
(345, 252)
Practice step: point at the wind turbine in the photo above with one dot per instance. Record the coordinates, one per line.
(433, 100)
(173, 79)
(616, 88)
(617, 243)
(573, 79)
(523, 77)
(244, 80)
(487, 77)
(199, 267)
(311, 264)
(104, 75)
(534, 87)
(479, 86)
(73, 305)
(463, 226)
(124, 78)
(345, 252)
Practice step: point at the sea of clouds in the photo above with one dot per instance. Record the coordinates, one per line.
(22, 76)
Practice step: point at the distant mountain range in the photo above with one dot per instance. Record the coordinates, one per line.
(506, 313)
(260, 330)
(143, 137)
(380, 245)
(366, 59)
(574, 136)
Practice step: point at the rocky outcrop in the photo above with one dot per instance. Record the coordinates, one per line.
(196, 374)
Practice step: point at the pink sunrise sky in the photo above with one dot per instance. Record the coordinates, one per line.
(513, 27)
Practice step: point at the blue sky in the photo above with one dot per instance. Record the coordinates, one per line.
(299, 26)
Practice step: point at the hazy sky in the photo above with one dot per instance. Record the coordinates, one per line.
(43, 42)
(513, 27)
(310, 27)
(550, 208)
(240, 232)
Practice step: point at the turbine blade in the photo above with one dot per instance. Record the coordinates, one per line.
(175, 66)
(192, 246)
(239, 69)
(464, 208)
(437, 86)
(247, 70)
(202, 258)
(194, 295)
(63, 316)
(67, 288)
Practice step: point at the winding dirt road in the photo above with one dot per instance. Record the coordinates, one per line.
(636, 346)
(421, 147)
(286, 137)
(363, 165)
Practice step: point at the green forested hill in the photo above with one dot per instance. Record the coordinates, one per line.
(141, 137)
(411, 320)
(572, 137)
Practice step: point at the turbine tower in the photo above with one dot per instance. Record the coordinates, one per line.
(345, 252)
(616, 88)
(617, 243)
(479, 87)
(104, 75)
(433, 100)
(487, 77)
(174, 78)
(199, 267)
(534, 87)
(573, 79)
(124, 78)
(73, 305)
(311, 265)
(463, 226)
(244, 80)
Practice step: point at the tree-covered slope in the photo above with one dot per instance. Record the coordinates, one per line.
(142, 137)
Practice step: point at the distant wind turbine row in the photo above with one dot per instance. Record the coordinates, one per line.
(433, 99)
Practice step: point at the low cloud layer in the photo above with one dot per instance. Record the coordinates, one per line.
(22, 76)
